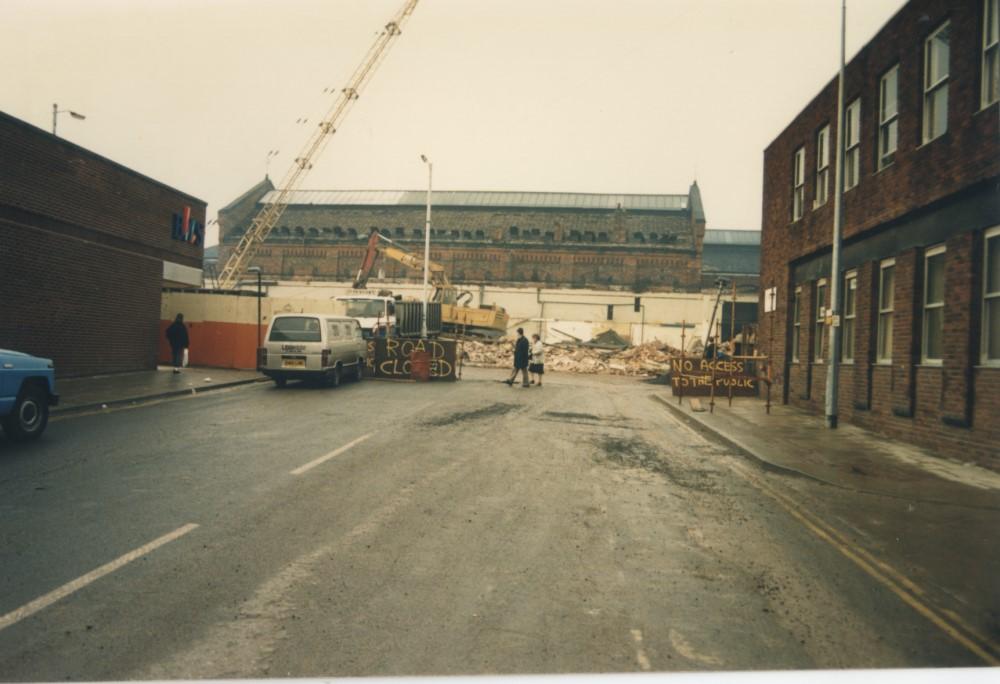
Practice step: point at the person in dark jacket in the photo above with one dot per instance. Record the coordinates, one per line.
(522, 351)
(177, 335)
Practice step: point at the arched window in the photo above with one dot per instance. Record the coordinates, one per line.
(589, 236)
(638, 237)
(480, 235)
(351, 233)
(467, 234)
(514, 232)
(338, 231)
(535, 277)
(653, 237)
(418, 232)
(400, 231)
(602, 237)
(454, 235)
(487, 276)
(549, 236)
(313, 232)
(284, 231)
(574, 235)
(299, 231)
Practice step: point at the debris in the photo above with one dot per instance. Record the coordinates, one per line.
(644, 360)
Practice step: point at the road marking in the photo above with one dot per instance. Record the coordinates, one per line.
(906, 589)
(65, 590)
(332, 454)
(640, 652)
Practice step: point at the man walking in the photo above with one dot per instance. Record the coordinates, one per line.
(521, 354)
(177, 335)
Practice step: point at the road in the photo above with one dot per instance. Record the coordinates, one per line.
(387, 529)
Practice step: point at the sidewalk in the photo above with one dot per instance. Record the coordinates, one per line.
(793, 441)
(120, 389)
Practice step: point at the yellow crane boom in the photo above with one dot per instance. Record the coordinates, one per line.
(267, 218)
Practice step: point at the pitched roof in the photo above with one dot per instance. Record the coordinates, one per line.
(518, 200)
(732, 237)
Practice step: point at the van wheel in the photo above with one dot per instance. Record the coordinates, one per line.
(335, 377)
(29, 417)
(359, 372)
(280, 382)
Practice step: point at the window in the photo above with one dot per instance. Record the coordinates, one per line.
(936, 68)
(850, 309)
(819, 340)
(888, 117)
(933, 304)
(852, 158)
(991, 298)
(822, 166)
(796, 324)
(991, 52)
(886, 298)
(799, 184)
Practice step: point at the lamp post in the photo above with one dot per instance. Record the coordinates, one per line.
(56, 112)
(256, 269)
(427, 242)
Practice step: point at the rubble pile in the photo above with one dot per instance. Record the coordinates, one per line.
(651, 358)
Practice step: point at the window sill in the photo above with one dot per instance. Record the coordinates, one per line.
(930, 364)
(888, 166)
(988, 366)
(847, 362)
(884, 363)
(986, 107)
(928, 143)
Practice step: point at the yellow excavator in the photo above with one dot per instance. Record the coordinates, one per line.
(456, 318)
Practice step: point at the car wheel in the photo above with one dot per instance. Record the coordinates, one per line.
(280, 382)
(30, 415)
(335, 377)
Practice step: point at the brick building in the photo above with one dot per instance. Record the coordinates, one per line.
(640, 242)
(85, 247)
(920, 263)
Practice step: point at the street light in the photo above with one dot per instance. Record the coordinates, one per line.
(427, 242)
(256, 269)
(56, 112)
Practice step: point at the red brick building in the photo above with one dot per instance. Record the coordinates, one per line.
(86, 245)
(920, 278)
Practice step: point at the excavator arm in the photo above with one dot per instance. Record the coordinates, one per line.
(444, 291)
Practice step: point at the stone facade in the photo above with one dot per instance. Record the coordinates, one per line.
(529, 242)
(933, 194)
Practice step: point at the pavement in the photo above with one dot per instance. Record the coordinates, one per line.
(795, 442)
(122, 389)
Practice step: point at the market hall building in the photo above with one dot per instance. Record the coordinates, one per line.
(621, 241)
(920, 266)
(86, 246)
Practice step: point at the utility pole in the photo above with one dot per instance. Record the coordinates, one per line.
(832, 371)
(427, 243)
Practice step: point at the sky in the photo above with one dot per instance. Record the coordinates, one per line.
(618, 96)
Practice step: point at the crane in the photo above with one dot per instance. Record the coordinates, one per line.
(268, 216)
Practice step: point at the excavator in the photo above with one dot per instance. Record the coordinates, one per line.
(456, 317)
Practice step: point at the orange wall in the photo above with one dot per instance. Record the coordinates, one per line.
(215, 344)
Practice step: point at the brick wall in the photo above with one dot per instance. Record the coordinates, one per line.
(82, 246)
(945, 191)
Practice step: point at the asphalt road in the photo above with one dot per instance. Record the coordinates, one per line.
(465, 528)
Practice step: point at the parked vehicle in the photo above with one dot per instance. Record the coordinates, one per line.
(316, 347)
(27, 390)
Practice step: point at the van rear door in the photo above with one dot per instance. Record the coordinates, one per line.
(295, 341)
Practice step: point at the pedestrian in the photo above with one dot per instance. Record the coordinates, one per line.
(537, 365)
(522, 350)
(177, 335)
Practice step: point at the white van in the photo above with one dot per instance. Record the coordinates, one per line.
(312, 347)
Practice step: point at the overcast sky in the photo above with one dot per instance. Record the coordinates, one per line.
(630, 96)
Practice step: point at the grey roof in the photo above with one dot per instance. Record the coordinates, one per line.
(519, 200)
(732, 237)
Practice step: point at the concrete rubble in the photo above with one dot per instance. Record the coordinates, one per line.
(649, 359)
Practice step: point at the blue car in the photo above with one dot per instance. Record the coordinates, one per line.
(27, 390)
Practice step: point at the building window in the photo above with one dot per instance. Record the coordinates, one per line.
(796, 324)
(822, 166)
(850, 309)
(799, 184)
(886, 300)
(991, 298)
(888, 117)
(936, 68)
(819, 339)
(933, 304)
(991, 52)
(852, 158)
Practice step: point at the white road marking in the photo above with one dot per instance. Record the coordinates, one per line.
(640, 652)
(65, 590)
(332, 454)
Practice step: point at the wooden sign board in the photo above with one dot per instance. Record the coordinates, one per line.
(389, 358)
(692, 376)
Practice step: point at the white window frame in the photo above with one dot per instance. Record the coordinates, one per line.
(848, 327)
(929, 253)
(888, 121)
(990, 91)
(989, 234)
(852, 155)
(799, 184)
(931, 88)
(822, 166)
(819, 322)
(888, 312)
(797, 325)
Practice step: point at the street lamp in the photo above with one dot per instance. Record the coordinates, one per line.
(56, 112)
(427, 242)
(256, 269)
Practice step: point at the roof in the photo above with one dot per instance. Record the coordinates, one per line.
(519, 200)
(733, 237)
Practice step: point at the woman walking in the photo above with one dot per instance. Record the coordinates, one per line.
(537, 365)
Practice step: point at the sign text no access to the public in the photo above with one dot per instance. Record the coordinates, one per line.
(694, 377)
